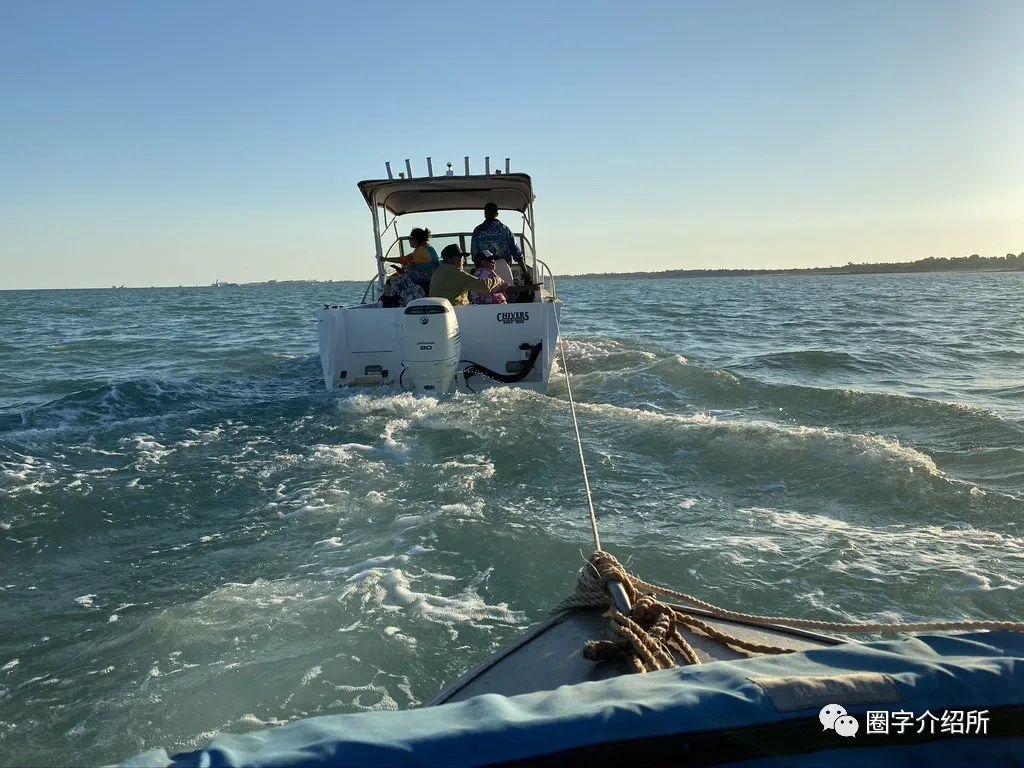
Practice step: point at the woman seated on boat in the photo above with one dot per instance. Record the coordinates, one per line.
(400, 289)
(421, 263)
(485, 270)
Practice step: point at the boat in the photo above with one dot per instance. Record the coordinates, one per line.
(429, 346)
(716, 688)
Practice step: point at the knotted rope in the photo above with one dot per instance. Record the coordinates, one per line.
(649, 638)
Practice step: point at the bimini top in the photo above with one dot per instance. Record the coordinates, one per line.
(509, 191)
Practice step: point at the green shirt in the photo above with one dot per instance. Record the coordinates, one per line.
(450, 282)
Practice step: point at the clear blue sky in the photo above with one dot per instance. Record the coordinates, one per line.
(175, 142)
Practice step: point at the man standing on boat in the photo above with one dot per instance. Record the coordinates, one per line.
(450, 282)
(495, 237)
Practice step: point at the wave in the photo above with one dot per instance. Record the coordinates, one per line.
(143, 399)
(818, 361)
(669, 381)
(647, 458)
(105, 405)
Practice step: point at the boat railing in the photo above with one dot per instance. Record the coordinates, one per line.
(545, 270)
(371, 290)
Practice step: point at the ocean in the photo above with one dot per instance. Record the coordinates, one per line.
(196, 537)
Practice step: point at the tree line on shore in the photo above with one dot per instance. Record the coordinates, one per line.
(1008, 263)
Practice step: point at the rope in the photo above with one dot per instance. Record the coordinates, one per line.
(649, 638)
(579, 440)
(829, 626)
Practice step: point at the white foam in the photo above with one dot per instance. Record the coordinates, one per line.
(86, 601)
(473, 510)
(392, 589)
(379, 698)
(28, 474)
(150, 451)
(390, 429)
(311, 675)
(465, 473)
(397, 634)
(200, 437)
(579, 349)
(922, 548)
(871, 447)
(334, 542)
(341, 454)
(9, 665)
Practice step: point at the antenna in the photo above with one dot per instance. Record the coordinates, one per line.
(506, 165)
(467, 165)
(487, 165)
(430, 168)
(408, 167)
(388, 166)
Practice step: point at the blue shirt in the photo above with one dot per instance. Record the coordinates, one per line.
(421, 272)
(495, 237)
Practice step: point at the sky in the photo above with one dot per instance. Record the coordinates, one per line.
(167, 143)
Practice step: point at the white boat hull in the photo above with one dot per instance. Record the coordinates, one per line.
(364, 345)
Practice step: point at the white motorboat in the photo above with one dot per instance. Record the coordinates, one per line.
(429, 346)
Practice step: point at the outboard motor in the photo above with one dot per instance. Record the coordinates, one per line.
(432, 347)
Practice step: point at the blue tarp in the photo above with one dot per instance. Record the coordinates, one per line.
(707, 714)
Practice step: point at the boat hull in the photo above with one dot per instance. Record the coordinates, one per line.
(363, 345)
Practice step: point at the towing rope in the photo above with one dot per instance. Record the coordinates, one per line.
(576, 426)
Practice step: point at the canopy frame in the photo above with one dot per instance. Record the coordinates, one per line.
(399, 197)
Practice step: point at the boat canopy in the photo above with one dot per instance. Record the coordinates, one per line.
(509, 191)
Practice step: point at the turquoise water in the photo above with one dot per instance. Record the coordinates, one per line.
(195, 537)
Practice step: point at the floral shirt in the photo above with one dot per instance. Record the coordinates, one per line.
(497, 297)
(495, 237)
(404, 287)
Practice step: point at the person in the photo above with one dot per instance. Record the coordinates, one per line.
(400, 289)
(495, 237)
(450, 282)
(422, 261)
(485, 269)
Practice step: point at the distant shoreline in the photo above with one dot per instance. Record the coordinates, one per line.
(974, 263)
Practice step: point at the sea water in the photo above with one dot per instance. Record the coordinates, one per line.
(196, 537)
